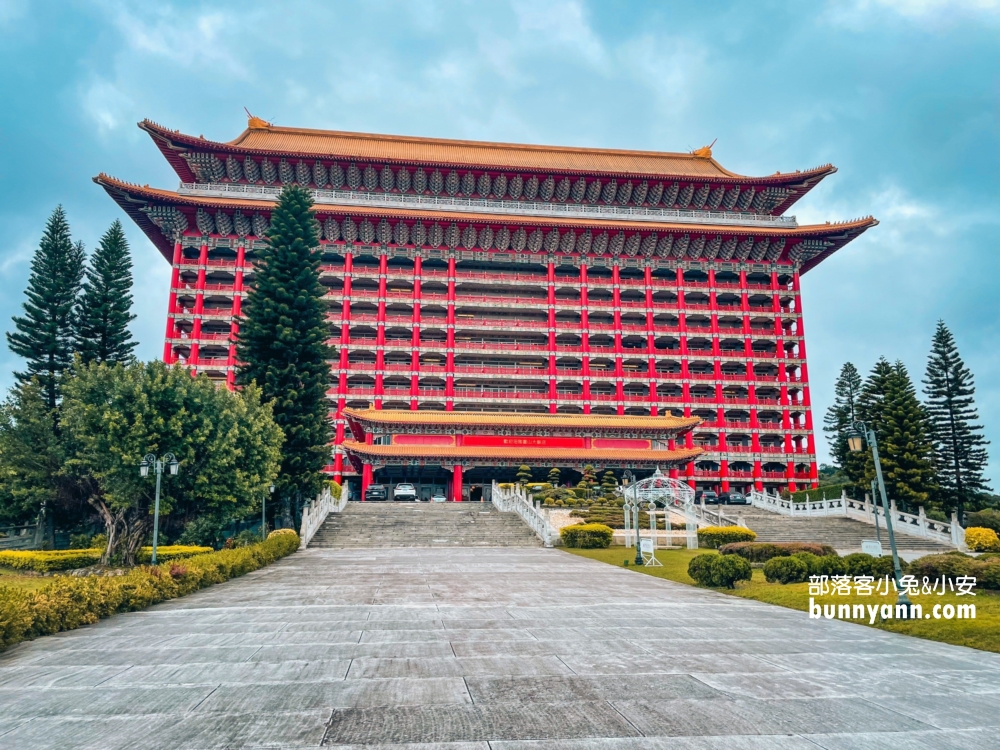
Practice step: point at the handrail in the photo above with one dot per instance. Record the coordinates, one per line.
(950, 533)
(516, 500)
(314, 513)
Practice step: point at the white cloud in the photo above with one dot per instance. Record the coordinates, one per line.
(864, 13)
(107, 105)
(561, 24)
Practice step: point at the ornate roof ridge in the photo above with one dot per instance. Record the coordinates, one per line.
(402, 416)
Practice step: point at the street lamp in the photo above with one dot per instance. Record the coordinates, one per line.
(856, 442)
(628, 480)
(157, 465)
(263, 514)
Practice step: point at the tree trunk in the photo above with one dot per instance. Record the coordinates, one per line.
(133, 534)
(112, 526)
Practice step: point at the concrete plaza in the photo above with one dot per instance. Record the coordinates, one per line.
(477, 649)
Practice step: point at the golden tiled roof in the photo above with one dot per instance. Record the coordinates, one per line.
(539, 456)
(505, 419)
(262, 137)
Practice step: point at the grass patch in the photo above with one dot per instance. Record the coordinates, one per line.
(981, 633)
(14, 579)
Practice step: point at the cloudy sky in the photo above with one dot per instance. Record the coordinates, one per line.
(901, 95)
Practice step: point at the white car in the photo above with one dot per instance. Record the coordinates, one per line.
(404, 491)
(439, 498)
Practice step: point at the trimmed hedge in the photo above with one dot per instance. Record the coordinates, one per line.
(761, 552)
(47, 561)
(719, 571)
(69, 601)
(786, 570)
(587, 535)
(986, 569)
(714, 537)
(979, 539)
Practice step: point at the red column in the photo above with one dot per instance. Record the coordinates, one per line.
(551, 279)
(449, 368)
(456, 483)
(383, 270)
(345, 343)
(234, 327)
(650, 335)
(585, 336)
(175, 277)
(415, 341)
(199, 306)
(366, 479)
(617, 313)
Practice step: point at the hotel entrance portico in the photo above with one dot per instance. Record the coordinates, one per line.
(428, 448)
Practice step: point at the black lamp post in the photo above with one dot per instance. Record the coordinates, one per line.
(856, 442)
(157, 465)
(263, 514)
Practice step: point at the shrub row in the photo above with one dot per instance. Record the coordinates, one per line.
(719, 571)
(587, 535)
(714, 537)
(984, 519)
(798, 567)
(985, 568)
(46, 561)
(69, 602)
(760, 552)
(980, 539)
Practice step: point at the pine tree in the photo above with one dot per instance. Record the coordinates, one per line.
(840, 419)
(872, 396)
(104, 310)
(282, 343)
(959, 446)
(906, 450)
(44, 336)
(554, 474)
(523, 474)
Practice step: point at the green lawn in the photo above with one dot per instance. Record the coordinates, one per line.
(16, 579)
(982, 633)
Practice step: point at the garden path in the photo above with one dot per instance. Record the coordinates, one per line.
(486, 649)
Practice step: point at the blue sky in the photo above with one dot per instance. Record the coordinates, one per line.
(903, 96)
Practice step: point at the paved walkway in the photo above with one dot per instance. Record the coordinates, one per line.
(486, 649)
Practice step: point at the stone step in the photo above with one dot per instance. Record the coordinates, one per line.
(390, 524)
(839, 532)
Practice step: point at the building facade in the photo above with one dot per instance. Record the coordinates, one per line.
(469, 276)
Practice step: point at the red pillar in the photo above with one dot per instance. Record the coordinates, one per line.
(551, 279)
(415, 341)
(456, 483)
(584, 336)
(366, 479)
(650, 335)
(383, 270)
(175, 277)
(617, 313)
(449, 368)
(345, 343)
(199, 306)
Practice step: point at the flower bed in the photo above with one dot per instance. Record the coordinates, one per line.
(69, 602)
(46, 561)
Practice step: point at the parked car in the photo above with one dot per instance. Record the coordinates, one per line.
(376, 492)
(708, 496)
(404, 491)
(439, 498)
(734, 498)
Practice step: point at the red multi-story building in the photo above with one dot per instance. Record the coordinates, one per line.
(472, 276)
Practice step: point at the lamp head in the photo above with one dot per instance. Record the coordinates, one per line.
(855, 440)
(271, 488)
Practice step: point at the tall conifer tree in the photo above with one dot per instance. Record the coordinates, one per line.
(106, 303)
(839, 421)
(959, 446)
(905, 450)
(282, 342)
(45, 335)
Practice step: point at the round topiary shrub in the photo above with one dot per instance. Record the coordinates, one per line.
(859, 564)
(979, 539)
(714, 537)
(282, 532)
(882, 566)
(587, 536)
(719, 571)
(786, 570)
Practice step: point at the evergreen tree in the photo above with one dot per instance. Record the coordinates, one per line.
(44, 336)
(554, 474)
(104, 311)
(959, 446)
(282, 343)
(523, 474)
(905, 450)
(840, 419)
(872, 396)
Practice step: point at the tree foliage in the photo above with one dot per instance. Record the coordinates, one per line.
(840, 419)
(523, 474)
(45, 334)
(959, 445)
(227, 444)
(282, 342)
(105, 305)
